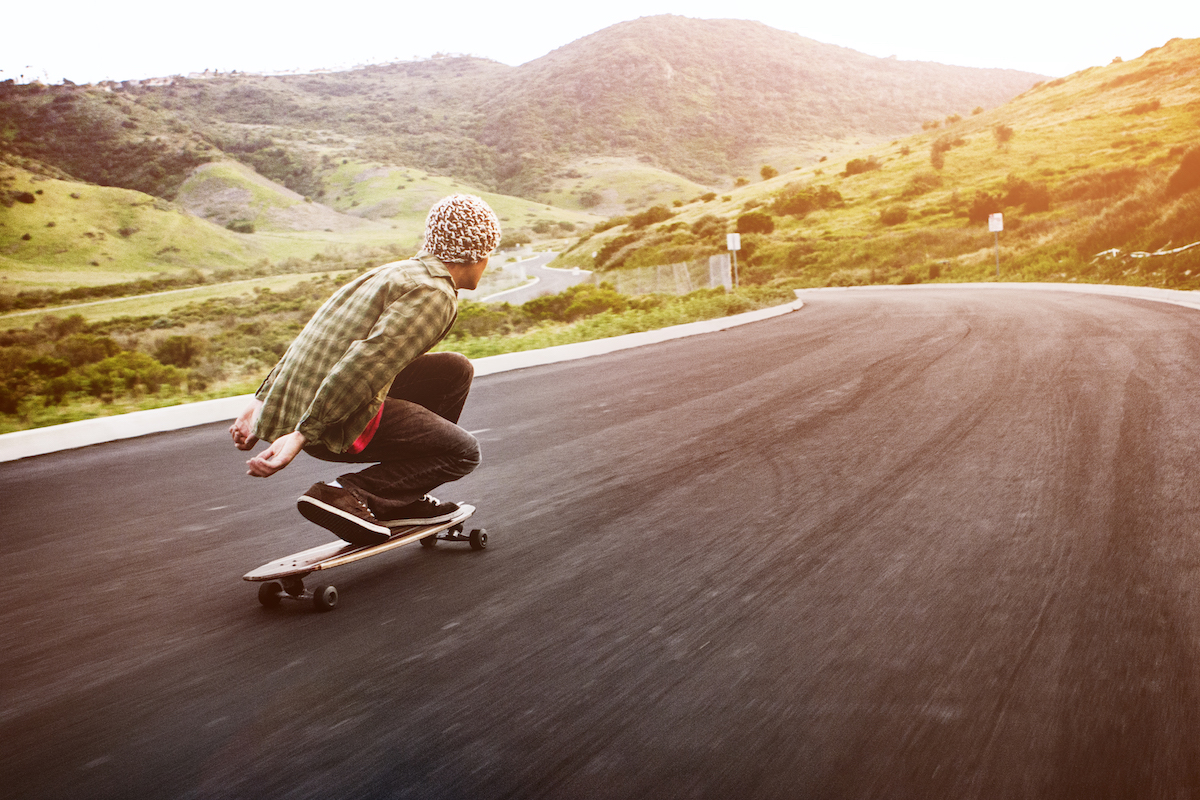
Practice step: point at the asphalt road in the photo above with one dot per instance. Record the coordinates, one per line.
(937, 543)
(549, 281)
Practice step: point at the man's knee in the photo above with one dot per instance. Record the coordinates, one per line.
(471, 457)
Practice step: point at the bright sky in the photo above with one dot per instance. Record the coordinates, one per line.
(86, 41)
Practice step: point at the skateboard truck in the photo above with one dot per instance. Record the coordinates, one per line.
(283, 579)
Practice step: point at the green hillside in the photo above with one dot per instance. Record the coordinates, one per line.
(58, 233)
(708, 98)
(1080, 165)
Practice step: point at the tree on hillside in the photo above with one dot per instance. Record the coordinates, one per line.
(768, 172)
(1004, 135)
(755, 222)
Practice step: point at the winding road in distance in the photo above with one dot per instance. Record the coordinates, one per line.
(549, 281)
(933, 543)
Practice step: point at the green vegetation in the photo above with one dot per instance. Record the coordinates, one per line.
(64, 367)
(1085, 171)
(179, 235)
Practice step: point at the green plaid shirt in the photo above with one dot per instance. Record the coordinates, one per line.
(334, 377)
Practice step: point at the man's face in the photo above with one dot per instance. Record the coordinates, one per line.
(469, 275)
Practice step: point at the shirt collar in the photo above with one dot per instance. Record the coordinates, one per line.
(435, 265)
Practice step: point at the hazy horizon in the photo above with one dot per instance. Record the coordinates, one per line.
(135, 39)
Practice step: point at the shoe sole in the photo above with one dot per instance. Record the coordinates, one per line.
(344, 526)
(419, 521)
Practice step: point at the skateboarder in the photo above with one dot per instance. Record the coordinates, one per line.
(358, 385)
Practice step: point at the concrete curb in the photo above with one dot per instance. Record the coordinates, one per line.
(1189, 299)
(40, 441)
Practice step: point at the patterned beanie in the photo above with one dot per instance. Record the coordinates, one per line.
(461, 229)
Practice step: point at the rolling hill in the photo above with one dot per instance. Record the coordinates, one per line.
(1097, 176)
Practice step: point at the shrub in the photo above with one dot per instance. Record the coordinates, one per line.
(941, 146)
(611, 222)
(755, 222)
(894, 214)
(983, 206)
(857, 166)
(921, 183)
(241, 226)
(514, 239)
(1187, 177)
(1003, 133)
(799, 200)
(1034, 197)
(708, 226)
(650, 216)
(768, 172)
(180, 351)
(85, 348)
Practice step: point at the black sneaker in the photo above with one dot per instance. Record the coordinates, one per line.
(426, 511)
(335, 508)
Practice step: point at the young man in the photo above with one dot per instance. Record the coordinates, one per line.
(358, 385)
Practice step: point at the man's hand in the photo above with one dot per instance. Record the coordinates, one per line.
(242, 429)
(277, 456)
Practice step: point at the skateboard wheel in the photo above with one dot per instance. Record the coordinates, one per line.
(429, 541)
(270, 594)
(478, 539)
(325, 598)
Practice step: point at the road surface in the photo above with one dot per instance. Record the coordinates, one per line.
(549, 281)
(910, 544)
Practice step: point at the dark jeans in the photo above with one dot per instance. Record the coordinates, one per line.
(418, 445)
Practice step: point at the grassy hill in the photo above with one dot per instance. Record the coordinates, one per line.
(58, 233)
(707, 98)
(1089, 163)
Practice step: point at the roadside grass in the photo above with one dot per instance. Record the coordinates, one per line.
(79, 408)
(65, 368)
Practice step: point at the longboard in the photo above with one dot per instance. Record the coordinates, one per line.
(283, 578)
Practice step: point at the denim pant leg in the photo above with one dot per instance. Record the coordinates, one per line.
(418, 445)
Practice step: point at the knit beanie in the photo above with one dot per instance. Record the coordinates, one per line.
(461, 229)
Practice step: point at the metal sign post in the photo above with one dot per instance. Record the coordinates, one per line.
(733, 243)
(995, 225)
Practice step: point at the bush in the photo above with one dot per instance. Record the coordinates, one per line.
(181, 351)
(1187, 177)
(941, 146)
(857, 166)
(1034, 197)
(894, 214)
(85, 348)
(799, 200)
(921, 183)
(650, 216)
(983, 206)
(241, 226)
(1004, 134)
(755, 222)
(768, 172)
(708, 226)
(514, 239)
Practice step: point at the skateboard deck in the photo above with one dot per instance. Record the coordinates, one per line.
(284, 577)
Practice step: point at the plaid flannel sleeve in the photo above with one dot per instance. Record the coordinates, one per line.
(407, 327)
